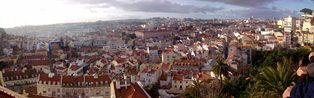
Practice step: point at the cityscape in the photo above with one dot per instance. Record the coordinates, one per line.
(157, 49)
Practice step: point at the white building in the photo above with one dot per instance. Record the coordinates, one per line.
(168, 56)
(51, 85)
(308, 25)
(289, 24)
(180, 83)
(149, 76)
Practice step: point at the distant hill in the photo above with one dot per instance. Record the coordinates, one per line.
(69, 28)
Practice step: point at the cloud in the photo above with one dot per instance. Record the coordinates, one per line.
(244, 3)
(266, 13)
(175, 8)
(163, 6)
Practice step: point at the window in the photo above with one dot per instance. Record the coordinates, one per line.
(180, 87)
(53, 93)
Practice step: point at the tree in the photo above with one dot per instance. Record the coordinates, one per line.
(267, 58)
(203, 89)
(234, 87)
(152, 90)
(3, 65)
(132, 36)
(2, 41)
(2, 34)
(196, 88)
(271, 82)
(306, 11)
(221, 68)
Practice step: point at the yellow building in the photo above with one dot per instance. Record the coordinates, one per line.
(308, 38)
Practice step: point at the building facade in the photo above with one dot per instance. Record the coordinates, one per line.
(51, 85)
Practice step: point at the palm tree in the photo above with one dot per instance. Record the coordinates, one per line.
(271, 82)
(221, 68)
(234, 87)
(197, 89)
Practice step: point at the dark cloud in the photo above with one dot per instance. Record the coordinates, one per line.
(244, 3)
(256, 8)
(164, 6)
(266, 13)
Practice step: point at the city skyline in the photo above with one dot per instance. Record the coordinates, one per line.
(39, 12)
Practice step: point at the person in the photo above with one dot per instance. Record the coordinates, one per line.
(304, 87)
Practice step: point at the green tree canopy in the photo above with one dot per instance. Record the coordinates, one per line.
(221, 68)
(234, 87)
(306, 11)
(271, 82)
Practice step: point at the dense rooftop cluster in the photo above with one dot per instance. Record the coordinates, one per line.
(123, 58)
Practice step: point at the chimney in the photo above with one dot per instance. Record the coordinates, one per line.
(125, 81)
(23, 70)
(50, 75)
(95, 76)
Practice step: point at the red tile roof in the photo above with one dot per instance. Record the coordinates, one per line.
(165, 66)
(34, 60)
(202, 76)
(89, 80)
(5, 95)
(132, 70)
(18, 74)
(92, 59)
(74, 81)
(104, 61)
(187, 62)
(178, 77)
(46, 78)
(168, 50)
(121, 60)
(74, 67)
(149, 70)
(134, 91)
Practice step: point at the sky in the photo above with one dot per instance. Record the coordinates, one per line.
(40, 12)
